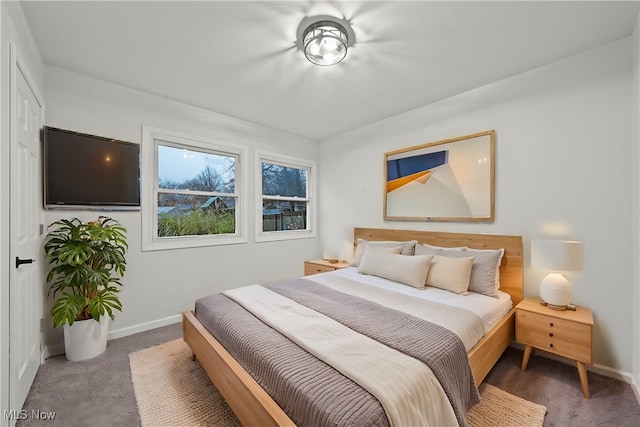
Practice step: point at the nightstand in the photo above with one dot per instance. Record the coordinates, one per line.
(322, 266)
(565, 333)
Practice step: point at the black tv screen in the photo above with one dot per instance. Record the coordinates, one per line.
(86, 171)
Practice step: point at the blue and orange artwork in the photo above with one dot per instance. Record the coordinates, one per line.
(419, 168)
(441, 181)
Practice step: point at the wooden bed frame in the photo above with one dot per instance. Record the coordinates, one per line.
(254, 407)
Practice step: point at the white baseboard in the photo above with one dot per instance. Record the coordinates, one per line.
(53, 350)
(611, 372)
(142, 327)
(636, 388)
(56, 350)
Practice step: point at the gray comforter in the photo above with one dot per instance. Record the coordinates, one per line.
(311, 392)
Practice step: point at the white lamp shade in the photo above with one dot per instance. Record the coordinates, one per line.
(346, 252)
(556, 255)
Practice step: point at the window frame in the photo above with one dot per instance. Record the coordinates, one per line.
(293, 162)
(153, 137)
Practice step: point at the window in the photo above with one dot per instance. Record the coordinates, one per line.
(284, 192)
(191, 191)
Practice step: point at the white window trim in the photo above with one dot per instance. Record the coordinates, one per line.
(295, 162)
(149, 157)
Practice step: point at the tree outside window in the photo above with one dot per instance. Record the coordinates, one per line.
(285, 197)
(195, 192)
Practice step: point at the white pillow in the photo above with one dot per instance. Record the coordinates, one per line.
(451, 274)
(485, 273)
(488, 260)
(410, 270)
(397, 250)
(426, 249)
(407, 248)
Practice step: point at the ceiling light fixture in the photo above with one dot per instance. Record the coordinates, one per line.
(325, 43)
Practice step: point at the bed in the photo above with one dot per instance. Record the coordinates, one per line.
(254, 406)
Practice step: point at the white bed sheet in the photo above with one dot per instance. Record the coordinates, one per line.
(490, 310)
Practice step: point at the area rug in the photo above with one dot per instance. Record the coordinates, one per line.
(173, 390)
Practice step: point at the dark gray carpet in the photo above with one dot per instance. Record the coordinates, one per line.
(556, 386)
(99, 393)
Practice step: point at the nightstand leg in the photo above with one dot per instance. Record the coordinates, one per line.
(525, 358)
(582, 372)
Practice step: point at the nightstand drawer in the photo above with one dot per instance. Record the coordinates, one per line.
(316, 266)
(563, 337)
(311, 268)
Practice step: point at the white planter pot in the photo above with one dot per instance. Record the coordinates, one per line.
(86, 339)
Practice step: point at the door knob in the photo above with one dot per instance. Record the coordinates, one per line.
(19, 261)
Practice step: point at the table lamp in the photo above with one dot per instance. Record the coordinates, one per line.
(557, 256)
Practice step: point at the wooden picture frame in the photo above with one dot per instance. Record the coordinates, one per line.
(449, 180)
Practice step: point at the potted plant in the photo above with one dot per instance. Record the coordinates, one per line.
(87, 261)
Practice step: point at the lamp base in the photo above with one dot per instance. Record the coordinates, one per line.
(571, 307)
(554, 307)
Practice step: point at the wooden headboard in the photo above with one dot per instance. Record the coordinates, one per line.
(511, 274)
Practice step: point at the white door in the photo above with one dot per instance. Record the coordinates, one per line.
(25, 280)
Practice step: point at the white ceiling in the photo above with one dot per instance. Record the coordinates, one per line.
(240, 58)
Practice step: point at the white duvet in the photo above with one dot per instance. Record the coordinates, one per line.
(490, 310)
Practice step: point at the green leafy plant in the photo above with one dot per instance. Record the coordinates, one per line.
(87, 261)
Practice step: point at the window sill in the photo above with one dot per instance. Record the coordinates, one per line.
(187, 242)
(274, 236)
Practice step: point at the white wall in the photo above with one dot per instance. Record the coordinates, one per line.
(14, 29)
(159, 285)
(635, 197)
(563, 144)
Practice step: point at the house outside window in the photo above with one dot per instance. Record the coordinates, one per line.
(285, 189)
(193, 191)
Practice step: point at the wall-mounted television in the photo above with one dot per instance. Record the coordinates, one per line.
(84, 171)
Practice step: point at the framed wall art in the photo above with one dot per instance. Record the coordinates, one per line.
(450, 180)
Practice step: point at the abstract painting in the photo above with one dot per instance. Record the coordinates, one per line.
(449, 180)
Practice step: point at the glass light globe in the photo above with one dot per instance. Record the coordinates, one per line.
(325, 43)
